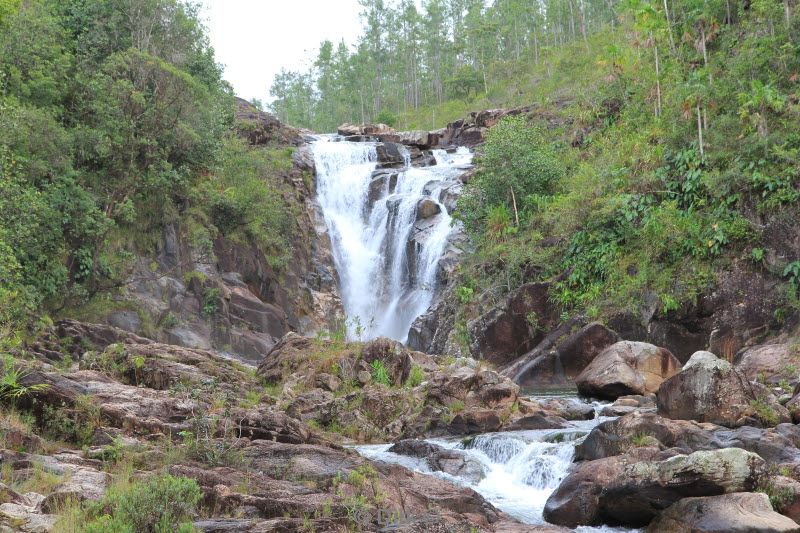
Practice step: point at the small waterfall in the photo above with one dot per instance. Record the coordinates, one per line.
(521, 468)
(388, 230)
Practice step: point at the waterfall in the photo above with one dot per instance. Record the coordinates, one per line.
(388, 229)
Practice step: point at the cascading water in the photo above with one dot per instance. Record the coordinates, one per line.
(388, 230)
(520, 468)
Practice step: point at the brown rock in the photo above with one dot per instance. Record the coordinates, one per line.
(627, 368)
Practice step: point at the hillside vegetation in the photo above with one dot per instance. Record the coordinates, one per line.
(114, 122)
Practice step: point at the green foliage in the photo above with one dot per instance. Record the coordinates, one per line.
(792, 273)
(11, 377)
(160, 504)
(516, 163)
(415, 377)
(379, 373)
(386, 117)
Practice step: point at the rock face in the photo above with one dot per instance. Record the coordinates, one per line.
(627, 368)
(261, 128)
(709, 389)
(558, 364)
(512, 329)
(769, 362)
(632, 489)
(739, 512)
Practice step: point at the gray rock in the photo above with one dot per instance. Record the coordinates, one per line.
(632, 489)
(709, 389)
(740, 512)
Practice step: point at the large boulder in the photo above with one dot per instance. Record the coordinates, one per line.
(627, 368)
(739, 512)
(709, 389)
(556, 367)
(632, 489)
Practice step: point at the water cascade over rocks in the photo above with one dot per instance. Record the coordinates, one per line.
(519, 469)
(389, 229)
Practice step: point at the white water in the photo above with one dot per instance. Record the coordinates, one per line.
(381, 294)
(522, 469)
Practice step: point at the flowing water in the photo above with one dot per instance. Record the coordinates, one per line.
(384, 281)
(521, 468)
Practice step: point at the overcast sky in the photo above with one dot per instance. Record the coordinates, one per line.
(254, 39)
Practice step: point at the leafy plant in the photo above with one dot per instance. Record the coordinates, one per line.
(160, 504)
(379, 373)
(415, 377)
(792, 273)
(11, 387)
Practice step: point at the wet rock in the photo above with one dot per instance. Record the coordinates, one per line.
(538, 421)
(441, 459)
(383, 184)
(475, 421)
(568, 408)
(739, 512)
(390, 155)
(627, 368)
(777, 446)
(632, 489)
(427, 208)
(709, 389)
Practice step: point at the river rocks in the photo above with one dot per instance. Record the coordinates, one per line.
(438, 458)
(426, 208)
(709, 389)
(384, 183)
(632, 489)
(737, 512)
(419, 138)
(513, 328)
(777, 446)
(390, 155)
(630, 404)
(554, 363)
(627, 368)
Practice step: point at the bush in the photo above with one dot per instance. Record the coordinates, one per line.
(161, 504)
(379, 373)
(517, 162)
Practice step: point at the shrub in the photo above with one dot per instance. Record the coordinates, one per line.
(517, 162)
(379, 373)
(415, 377)
(161, 504)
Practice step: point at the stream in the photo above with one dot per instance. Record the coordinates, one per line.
(522, 468)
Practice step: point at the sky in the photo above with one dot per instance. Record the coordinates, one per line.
(254, 39)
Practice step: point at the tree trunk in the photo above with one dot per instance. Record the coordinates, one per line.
(658, 79)
(700, 131)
